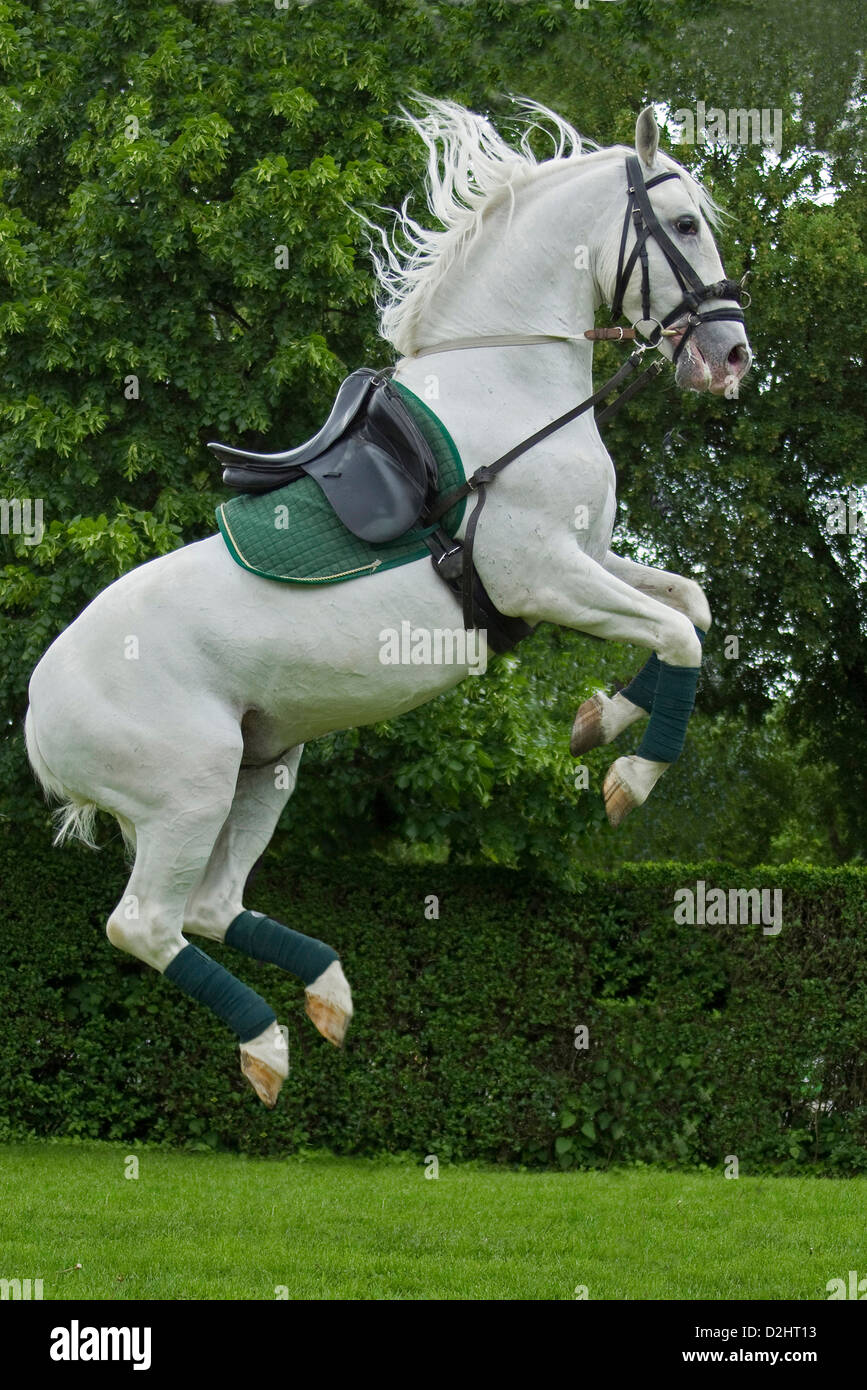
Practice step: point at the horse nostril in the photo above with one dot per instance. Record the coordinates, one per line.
(739, 357)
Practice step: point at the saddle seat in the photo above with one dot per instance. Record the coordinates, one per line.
(370, 459)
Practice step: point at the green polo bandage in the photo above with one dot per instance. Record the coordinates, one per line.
(264, 939)
(673, 703)
(641, 690)
(208, 983)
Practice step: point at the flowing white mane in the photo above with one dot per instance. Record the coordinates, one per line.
(470, 167)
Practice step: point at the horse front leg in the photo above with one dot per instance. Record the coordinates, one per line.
(601, 718)
(591, 598)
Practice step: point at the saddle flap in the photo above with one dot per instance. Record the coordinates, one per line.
(379, 475)
(369, 491)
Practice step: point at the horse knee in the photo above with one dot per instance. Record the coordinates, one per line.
(691, 600)
(149, 939)
(679, 644)
(687, 597)
(698, 610)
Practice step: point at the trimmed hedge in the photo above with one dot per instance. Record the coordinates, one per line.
(704, 1041)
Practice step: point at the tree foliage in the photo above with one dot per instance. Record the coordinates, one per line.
(154, 158)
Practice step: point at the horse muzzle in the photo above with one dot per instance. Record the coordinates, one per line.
(712, 357)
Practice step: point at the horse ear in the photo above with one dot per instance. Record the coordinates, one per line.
(647, 137)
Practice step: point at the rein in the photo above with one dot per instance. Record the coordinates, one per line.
(531, 339)
(646, 225)
(482, 476)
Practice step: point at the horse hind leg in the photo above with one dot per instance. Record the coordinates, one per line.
(172, 850)
(215, 908)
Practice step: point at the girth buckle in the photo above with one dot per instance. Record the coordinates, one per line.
(451, 563)
(479, 478)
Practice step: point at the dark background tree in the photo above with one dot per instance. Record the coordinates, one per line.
(153, 157)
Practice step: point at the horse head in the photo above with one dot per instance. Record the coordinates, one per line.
(670, 280)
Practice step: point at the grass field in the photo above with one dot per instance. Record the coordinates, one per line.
(198, 1226)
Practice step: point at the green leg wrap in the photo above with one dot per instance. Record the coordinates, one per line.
(207, 982)
(264, 939)
(642, 688)
(665, 735)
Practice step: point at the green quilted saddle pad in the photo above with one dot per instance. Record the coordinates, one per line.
(292, 535)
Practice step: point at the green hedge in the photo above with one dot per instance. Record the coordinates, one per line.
(704, 1041)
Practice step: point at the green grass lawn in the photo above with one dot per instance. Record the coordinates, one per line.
(197, 1226)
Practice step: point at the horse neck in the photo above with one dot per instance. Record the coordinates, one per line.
(525, 273)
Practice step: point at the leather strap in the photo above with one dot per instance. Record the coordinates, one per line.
(635, 211)
(485, 475)
(592, 335)
(503, 633)
(489, 471)
(469, 540)
(632, 390)
(497, 340)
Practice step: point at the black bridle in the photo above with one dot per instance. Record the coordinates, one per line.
(647, 225)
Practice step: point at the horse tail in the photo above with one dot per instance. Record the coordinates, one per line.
(76, 817)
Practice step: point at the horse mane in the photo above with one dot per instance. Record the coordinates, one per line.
(470, 168)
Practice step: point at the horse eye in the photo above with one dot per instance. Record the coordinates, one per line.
(687, 226)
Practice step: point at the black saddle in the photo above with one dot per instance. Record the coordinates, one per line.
(370, 459)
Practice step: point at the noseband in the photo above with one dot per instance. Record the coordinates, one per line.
(647, 225)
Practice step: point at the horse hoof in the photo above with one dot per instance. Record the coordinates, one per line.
(587, 730)
(620, 797)
(628, 783)
(266, 1082)
(331, 1020)
(329, 1003)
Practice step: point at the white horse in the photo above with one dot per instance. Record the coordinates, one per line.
(180, 699)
